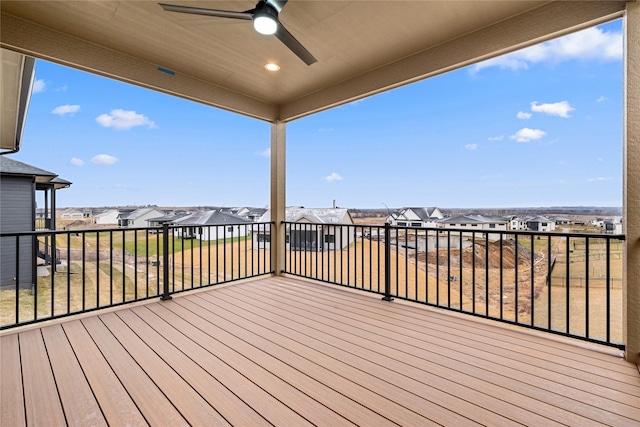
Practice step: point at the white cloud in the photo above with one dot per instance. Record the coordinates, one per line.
(560, 109)
(332, 178)
(122, 120)
(62, 88)
(589, 44)
(65, 109)
(39, 85)
(527, 135)
(76, 161)
(266, 153)
(600, 178)
(471, 147)
(104, 159)
(496, 138)
(524, 116)
(602, 99)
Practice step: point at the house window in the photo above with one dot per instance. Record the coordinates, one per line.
(329, 238)
(286, 238)
(264, 238)
(416, 224)
(474, 225)
(402, 224)
(230, 229)
(492, 226)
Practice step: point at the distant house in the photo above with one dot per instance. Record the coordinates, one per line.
(136, 218)
(164, 219)
(541, 223)
(72, 214)
(328, 236)
(613, 226)
(517, 224)
(416, 217)
(107, 217)
(475, 222)
(19, 183)
(211, 225)
(562, 220)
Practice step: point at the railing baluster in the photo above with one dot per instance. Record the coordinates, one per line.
(387, 263)
(532, 299)
(586, 297)
(608, 287)
(165, 262)
(567, 285)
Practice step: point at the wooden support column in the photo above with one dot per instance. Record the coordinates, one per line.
(631, 179)
(278, 194)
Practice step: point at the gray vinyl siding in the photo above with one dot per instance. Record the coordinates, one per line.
(16, 215)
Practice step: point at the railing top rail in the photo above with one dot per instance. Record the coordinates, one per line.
(475, 231)
(119, 229)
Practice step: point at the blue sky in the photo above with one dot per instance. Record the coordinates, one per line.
(539, 127)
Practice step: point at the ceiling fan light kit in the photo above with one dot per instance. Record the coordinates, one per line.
(265, 21)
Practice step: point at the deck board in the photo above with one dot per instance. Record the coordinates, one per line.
(79, 404)
(285, 351)
(427, 378)
(41, 400)
(11, 394)
(116, 404)
(551, 381)
(154, 406)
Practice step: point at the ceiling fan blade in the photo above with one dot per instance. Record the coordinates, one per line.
(207, 12)
(294, 45)
(277, 4)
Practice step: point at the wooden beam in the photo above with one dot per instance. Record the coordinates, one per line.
(549, 21)
(42, 42)
(278, 195)
(631, 203)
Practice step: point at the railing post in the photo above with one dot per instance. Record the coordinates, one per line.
(387, 263)
(165, 262)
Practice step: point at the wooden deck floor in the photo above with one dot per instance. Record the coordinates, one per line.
(287, 352)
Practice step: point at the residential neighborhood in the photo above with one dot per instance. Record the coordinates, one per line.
(412, 217)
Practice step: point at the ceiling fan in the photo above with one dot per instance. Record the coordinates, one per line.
(265, 21)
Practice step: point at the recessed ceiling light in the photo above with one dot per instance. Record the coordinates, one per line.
(272, 67)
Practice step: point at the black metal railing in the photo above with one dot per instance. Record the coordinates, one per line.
(563, 283)
(50, 274)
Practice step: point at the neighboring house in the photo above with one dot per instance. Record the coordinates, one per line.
(328, 236)
(137, 218)
(18, 185)
(541, 223)
(598, 222)
(518, 224)
(536, 223)
(108, 217)
(211, 225)
(164, 219)
(475, 222)
(562, 221)
(613, 226)
(416, 217)
(72, 214)
(251, 214)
